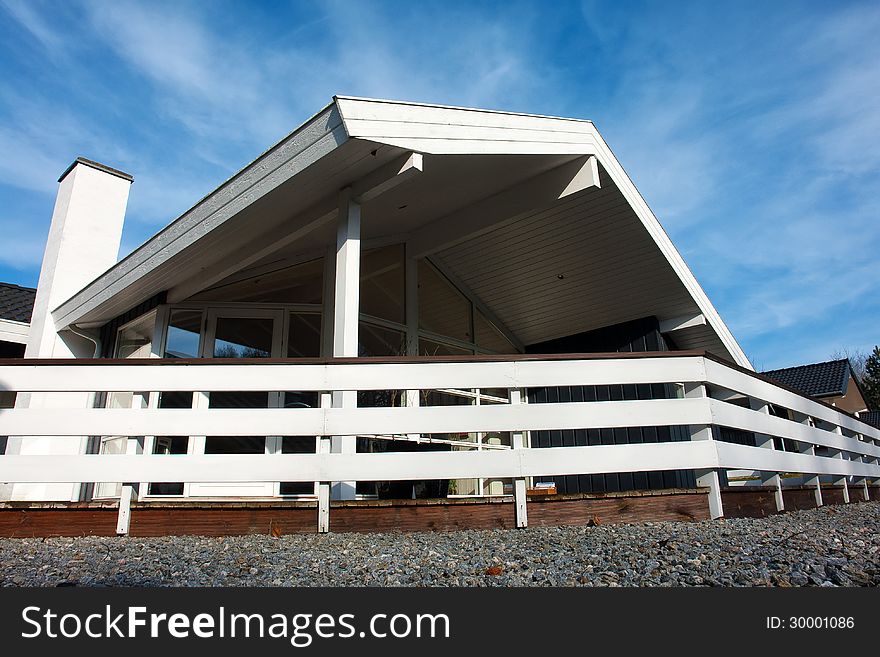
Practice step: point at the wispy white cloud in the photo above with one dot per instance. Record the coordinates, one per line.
(31, 20)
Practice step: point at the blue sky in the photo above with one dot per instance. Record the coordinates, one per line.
(751, 128)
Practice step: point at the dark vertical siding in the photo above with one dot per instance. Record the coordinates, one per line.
(638, 335)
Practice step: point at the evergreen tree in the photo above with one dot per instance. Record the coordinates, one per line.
(871, 380)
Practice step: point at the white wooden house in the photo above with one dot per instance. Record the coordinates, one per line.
(397, 300)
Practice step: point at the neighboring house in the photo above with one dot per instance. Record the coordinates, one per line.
(395, 301)
(832, 381)
(16, 306)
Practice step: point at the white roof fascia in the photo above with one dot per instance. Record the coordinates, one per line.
(658, 233)
(444, 130)
(314, 139)
(12, 331)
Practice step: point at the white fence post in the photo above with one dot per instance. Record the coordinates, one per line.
(519, 483)
(123, 519)
(811, 481)
(763, 440)
(864, 459)
(324, 486)
(706, 478)
(841, 481)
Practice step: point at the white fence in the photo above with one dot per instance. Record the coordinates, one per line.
(712, 394)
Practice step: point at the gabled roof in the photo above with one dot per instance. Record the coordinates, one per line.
(472, 156)
(828, 379)
(871, 417)
(16, 302)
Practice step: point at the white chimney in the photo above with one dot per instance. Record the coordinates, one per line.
(83, 243)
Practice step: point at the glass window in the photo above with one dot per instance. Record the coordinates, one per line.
(433, 348)
(489, 337)
(442, 308)
(302, 283)
(304, 335)
(298, 445)
(184, 329)
(382, 283)
(243, 337)
(135, 340)
(380, 341)
(169, 445)
(235, 445)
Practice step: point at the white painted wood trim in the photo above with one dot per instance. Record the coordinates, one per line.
(349, 421)
(360, 376)
(11, 331)
(343, 467)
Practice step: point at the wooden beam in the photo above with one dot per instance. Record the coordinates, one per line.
(520, 200)
(388, 177)
(683, 322)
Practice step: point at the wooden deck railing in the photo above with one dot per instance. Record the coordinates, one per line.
(713, 394)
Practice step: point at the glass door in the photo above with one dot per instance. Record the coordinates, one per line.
(236, 334)
(134, 340)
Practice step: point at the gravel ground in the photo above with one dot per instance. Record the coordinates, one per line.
(833, 546)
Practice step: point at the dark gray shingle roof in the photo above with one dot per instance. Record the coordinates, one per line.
(817, 379)
(16, 302)
(871, 417)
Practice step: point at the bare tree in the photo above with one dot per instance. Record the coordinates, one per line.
(857, 360)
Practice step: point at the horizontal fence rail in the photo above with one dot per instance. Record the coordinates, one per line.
(712, 394)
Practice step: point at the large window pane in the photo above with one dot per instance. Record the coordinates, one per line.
(442, 308)
(489, 337)
(304, 335)
(184, 328)
(243, 337)
(382, 283)
(298, 445)
(432, 348)
(380, 341)
(136, 339)
(169, 445)
(237, 444)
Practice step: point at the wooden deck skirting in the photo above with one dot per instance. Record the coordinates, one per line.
(228, 518)
(759, 501)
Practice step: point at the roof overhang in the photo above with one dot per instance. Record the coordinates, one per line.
(488, 173)
(12, 331)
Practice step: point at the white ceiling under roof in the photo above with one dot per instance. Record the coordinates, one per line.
(615, 261)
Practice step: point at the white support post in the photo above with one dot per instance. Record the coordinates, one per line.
(411, 277)
(123, 520)
(346, 310)
(813, 480)
(763, 440)
(519, 483)
(706, 478)
(866, 495)
(841, 481)
(324, 486)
